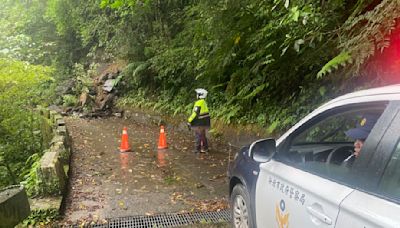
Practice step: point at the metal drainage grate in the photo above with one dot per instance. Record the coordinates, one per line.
(169, 220)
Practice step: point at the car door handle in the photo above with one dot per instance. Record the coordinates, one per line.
(320, 215)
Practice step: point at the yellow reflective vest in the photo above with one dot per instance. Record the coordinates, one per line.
(200, 115)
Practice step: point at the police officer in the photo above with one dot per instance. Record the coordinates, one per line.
(359, 134)
(199, 121)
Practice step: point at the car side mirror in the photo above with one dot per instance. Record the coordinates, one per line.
(262, 150)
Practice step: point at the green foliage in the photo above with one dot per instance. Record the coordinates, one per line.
(30, 175)
(219, 43)
(341, 60)
(41, 217)
(364, 35)
(263, 62)
(260, 55)
(69, 100)
(169, 180)
(22, 88)
(24, 33)
(84, 82)
(137, 75)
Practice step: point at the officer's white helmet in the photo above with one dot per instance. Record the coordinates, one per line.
(201, 93)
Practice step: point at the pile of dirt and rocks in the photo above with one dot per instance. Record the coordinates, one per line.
(98, 100)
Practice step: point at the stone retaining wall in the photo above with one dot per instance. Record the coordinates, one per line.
(14, 205)
(52, 174)
(53, 169)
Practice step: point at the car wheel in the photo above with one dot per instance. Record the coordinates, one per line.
(240, 207)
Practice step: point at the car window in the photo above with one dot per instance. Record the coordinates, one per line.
(322, 145)
(390, 183)
(329, 130)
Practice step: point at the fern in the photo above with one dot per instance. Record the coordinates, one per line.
(256, 91)
(360, 6)
(365, 35)
(341, 59)
(30, 176)
(141, 67)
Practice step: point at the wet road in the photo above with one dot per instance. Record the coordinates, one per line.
(105, 183)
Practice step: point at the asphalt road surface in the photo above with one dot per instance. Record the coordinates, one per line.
(105, 183)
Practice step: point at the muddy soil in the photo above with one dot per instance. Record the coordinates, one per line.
(105, 183)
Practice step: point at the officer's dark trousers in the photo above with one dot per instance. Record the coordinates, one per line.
(201, 139)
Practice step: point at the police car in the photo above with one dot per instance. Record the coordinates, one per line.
(303, 179)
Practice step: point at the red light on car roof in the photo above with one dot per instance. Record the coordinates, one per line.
(387, 62)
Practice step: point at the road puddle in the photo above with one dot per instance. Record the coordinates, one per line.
(162, 158)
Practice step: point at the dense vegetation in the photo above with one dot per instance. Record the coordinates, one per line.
(22, 88)
(264, 62)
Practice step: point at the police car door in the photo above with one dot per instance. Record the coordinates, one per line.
(299, 187)
(376, 202)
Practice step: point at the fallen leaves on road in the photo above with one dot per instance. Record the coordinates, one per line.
(200, 205)
(97, 175)
(217, 177)
(209, 205)
(199, 185)
(122, 205)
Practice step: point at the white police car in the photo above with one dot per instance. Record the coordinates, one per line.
(306, 179)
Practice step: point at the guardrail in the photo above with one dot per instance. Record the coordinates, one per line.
(52, 176)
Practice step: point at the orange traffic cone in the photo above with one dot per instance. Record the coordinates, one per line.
(124, 141)
(162, 141)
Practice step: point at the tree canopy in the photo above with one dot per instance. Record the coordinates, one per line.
(264, 62)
